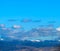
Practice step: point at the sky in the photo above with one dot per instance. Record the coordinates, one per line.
(47, 11)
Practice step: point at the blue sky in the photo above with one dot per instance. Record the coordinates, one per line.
(44, 10)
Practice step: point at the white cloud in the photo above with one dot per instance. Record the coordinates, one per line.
(16, 26)
(2, 39)
(58, 29)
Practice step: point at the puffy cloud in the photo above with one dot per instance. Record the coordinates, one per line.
(58, 29)
(1, 39)
(16, 26)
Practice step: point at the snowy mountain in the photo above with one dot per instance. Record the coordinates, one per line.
(16, 32)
